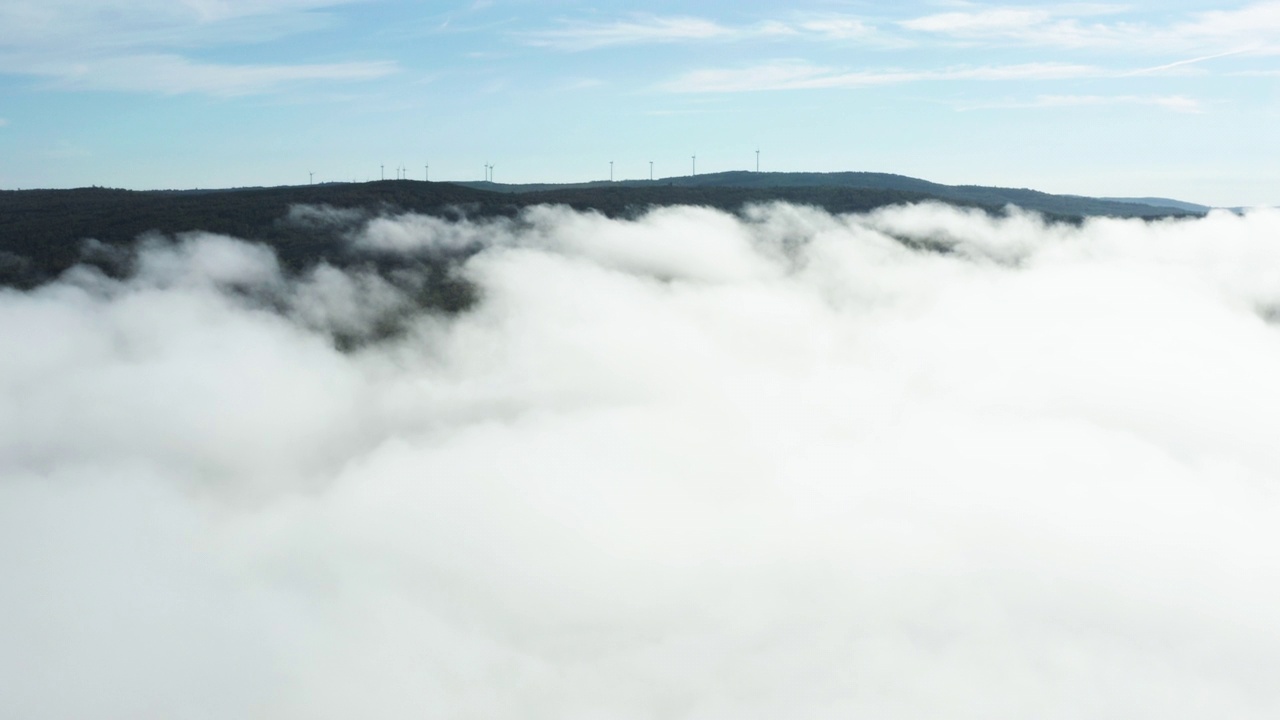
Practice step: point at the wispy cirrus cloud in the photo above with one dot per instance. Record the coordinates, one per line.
(119, 24)
(1065, 25)
(835, 27)
(1105, 26)
(1060, 23)
(146, 46)
(640, 31)
(1257, 23)
(648, 30)
(1181, 66)
(798, 75)
(174, 75)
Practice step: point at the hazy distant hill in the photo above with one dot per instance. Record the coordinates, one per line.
(44, 232)
(1064, 205)
(1163, 203)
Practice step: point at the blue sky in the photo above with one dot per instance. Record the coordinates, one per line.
(1175, 98)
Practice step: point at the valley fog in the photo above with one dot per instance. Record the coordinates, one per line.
(922, 462)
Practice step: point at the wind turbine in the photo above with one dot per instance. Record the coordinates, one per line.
(610, 171)
(426, 172)
(312, 180)
(650, 170)
(382, 172)
(695, 164)
(757, 159)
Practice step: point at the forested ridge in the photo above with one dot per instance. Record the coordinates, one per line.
(45, 232)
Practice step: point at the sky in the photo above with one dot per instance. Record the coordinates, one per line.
(1174, 99)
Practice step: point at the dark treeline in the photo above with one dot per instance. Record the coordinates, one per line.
(45, 232)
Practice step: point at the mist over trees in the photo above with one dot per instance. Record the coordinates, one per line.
(45, 232)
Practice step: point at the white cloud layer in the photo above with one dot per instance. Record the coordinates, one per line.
(145, 46)
(690, 466)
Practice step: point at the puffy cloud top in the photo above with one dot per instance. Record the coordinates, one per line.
(917, 463)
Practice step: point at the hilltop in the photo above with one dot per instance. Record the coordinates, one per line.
(978, 195)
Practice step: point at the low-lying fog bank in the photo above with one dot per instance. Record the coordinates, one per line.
(918, 463)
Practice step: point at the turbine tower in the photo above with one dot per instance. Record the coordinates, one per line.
(757, 159)
(382, 172)
(610, 171)
(426, 172)
(650, 171)
(312, 178)
(695, 164)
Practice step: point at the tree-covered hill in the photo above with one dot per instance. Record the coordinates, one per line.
(1060, 205)
(45, 232)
